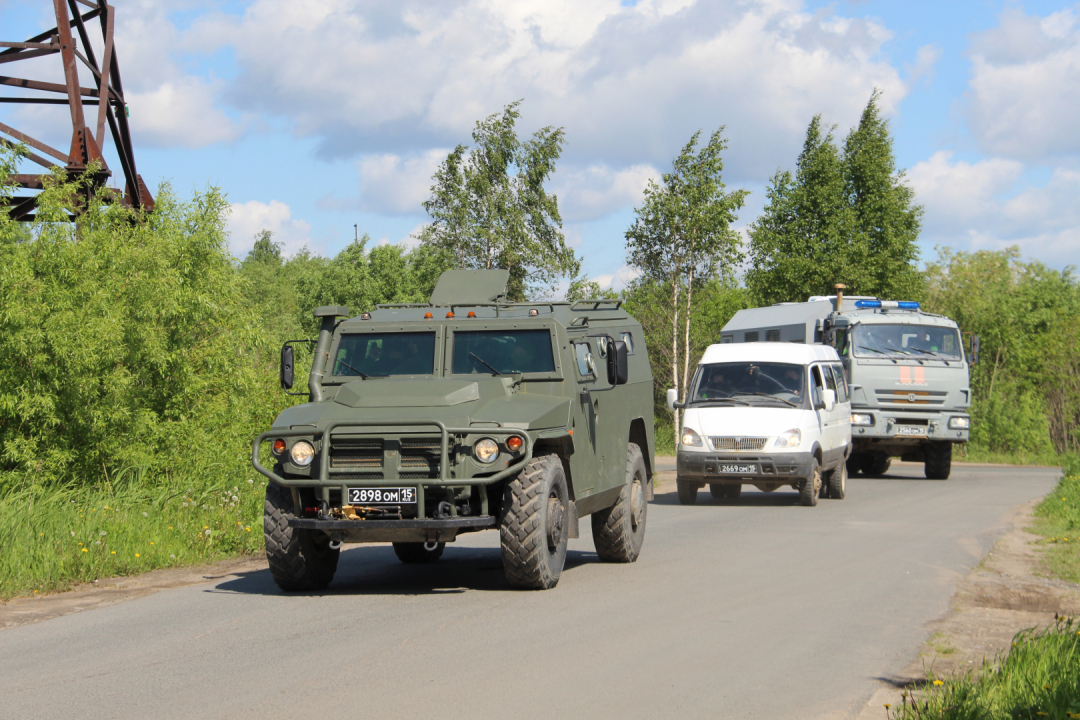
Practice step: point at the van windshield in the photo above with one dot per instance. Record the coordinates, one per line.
(385, 354)
(921, 341)
(751, 383)
(502, 352)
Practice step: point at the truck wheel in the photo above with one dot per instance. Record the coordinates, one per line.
(876, 464)
(687, 492)
(418, 552)
(811, 486)
(731, 492)
(854, 464)
(938, 460)
(718, 490)
(299, 559)
(837, 484)
(619, 531)
(534, 527)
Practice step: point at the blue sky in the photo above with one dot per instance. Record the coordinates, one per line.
(318, 115)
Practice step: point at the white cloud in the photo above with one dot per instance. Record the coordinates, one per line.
(619, 279)
(180, 113)
(926, 59)
(1025, 86)
(597, 190)
(248, 219)
(986, 205)
(393, 185)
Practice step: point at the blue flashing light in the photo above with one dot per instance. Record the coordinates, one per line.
(867, 303)
(888, 304)
(907, 305)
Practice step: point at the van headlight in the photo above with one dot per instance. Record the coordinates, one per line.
(302, 453)
(862, 419)
(959, 423)
(486, 450)
(791, 438)
(690, 438)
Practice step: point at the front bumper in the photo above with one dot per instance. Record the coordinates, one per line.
(407, 530)
(705, 467)
(907, 428)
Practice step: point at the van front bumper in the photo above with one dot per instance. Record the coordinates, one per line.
(742, 467)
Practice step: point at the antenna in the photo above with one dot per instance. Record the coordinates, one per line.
(105, 100)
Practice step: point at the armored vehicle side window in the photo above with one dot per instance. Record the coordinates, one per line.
(585, 365)
(628, 338)
(385, 354)
(503, 351)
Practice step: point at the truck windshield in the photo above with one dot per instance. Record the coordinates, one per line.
(502, 352)
(385, 354)
(921, 341)
(750, 382)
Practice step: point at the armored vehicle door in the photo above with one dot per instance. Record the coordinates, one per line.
(591, 464)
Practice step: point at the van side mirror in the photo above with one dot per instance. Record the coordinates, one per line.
(618, 367)
(673, 400)
(828, 399)
(286, 367)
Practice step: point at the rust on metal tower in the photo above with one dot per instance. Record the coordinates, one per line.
(104, 102)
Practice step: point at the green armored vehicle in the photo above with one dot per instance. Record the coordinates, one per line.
(426, 421)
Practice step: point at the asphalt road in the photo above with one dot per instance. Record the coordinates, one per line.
(763, 609)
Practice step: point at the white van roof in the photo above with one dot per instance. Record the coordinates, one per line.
(768, 352)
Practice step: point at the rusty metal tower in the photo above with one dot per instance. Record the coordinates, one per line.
(106, 95)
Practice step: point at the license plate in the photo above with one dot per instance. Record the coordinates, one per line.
(382, 496)
(750, 469)
(910, 430)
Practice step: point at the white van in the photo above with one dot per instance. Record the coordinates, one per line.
(767, 414)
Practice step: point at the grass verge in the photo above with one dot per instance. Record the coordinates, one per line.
(53, 538)
(1038, 678)
(1057, 519)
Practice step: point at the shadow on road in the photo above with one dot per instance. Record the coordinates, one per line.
(749, 498)
(375, 570)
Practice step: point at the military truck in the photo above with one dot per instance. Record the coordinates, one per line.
(428, 421)
(906, 368)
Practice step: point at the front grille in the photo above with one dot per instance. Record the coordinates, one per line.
(356, 454)
(359, 476)
(738, 443)
(420, 458)
(418, 475)
(911, 397)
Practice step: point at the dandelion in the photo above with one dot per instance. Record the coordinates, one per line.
(206, 533)
(80, 544)
(248, 528)
(250, 481)
(204, 527)
(137, 555)
(151, 542)
(35, 592)
(145, 515)
(85, 550)
(887, 706)
(172, 557)
(113, 552)
(170, 527)
(103, 533)
(72, 533)
(938, 682)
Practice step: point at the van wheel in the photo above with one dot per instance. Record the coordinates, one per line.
(811, 486)
(687, 492)
(298, 559)
(619, 531)
(418, 552)
(837, 485)
(938, 463)
(534, 525)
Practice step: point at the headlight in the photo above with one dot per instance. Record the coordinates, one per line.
(959, 423)
(862, 419)
(302, 453)
(691, 438)
(486, 450)
(791, 438)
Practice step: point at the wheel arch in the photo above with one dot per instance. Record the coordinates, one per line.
(564, 448)
(640, 436)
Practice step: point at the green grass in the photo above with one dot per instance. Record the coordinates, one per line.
(975, 454)
(1057, 519)
(53, 538)
(1037, 679)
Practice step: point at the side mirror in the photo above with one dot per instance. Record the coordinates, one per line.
(673, 399)
(618, 368)
(828, 399)
(286, 367)
(976, 342)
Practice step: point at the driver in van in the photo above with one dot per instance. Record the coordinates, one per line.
(793, 381)
(716, 386)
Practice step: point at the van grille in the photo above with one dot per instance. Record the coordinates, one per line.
(349, 454)
(738, 443)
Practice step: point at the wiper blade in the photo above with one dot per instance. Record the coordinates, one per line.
(770, 396)
(717, 401)
(475, 357)
(942, 358)
(879, 352)
(902, 352)
(361, 374)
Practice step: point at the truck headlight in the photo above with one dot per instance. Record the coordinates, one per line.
(862, 419)
(486, 450)
(959, 423)
(302, 453)
(791, 438)
(690, 438)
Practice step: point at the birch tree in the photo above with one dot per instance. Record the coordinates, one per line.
(682, 236)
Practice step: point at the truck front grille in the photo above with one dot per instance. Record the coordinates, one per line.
(420, 458)
(738, 443)
(911, 397)
(356, 454)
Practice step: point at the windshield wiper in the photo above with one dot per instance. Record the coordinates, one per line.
(475, 357)
(879, 352)
(717, 401)
(361, 374)
(770, 396)
(929, 352)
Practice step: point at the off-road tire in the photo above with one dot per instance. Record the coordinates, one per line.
(299, 559)
(836, 485)
(534, 524)
(810, 488)
(938, 462)
(619, 531)
(687, 492)
(415, 553)
(876, 464)
(732, 492)
(854, 464)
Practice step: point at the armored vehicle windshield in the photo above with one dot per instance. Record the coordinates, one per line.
(385, 354)
(502, 352)
(928, 340)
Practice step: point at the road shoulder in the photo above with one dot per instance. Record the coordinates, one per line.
(1007, 592)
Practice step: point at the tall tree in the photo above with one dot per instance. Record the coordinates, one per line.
(842, 217)
(489, 207)
(682, 235)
